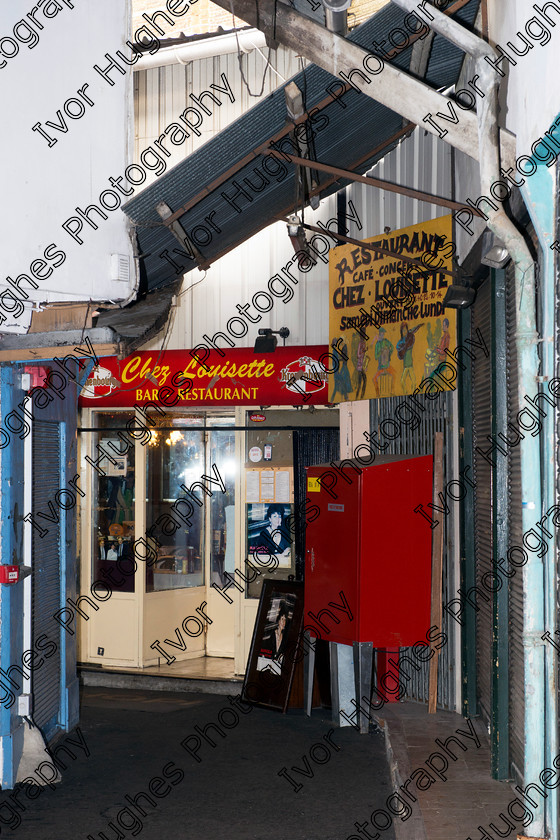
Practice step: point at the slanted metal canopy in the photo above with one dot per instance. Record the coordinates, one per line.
(351, 131)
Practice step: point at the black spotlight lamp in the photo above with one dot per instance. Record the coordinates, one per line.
(459, 297)
(266, 340)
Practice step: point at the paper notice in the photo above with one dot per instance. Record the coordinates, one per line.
(267, 486)
(282, 486)
(252, 487)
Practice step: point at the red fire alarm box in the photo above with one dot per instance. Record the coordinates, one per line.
(368, 542)
(9, 574)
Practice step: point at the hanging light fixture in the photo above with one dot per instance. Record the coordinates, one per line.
(174, 437)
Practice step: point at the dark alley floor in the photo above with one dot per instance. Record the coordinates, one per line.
(234, 791)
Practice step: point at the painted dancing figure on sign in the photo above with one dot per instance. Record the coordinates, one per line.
(341, 374)
(431, 352)
(404, 352)
(362, 361)
(383, 352)
(443, 345)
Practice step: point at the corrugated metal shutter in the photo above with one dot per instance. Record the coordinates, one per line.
(420, 441)
(46, 571)
(311, 446)
(483, 542)
(515, 528)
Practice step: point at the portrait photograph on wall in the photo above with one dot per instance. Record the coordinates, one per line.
(268, 532)
(274, 646)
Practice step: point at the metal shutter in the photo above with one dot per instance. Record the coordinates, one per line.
(483, 542)
(420, 441)
(311, 446)
(46, 571)
(515, 529)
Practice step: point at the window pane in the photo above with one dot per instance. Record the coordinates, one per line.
(113, 513)
(176, 461)
(222, 506)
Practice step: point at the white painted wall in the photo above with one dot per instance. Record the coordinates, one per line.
(42, 186)
(529, 93)
(532, 90)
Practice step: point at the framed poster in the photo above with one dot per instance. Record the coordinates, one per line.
(113, 465)
(275, 644)
(268, 532)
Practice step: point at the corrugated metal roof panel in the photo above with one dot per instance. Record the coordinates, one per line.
(356, 125)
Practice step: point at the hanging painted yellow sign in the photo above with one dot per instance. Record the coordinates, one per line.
(388, 329)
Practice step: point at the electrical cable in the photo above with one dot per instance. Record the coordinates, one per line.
(167, 336)
(244, 80)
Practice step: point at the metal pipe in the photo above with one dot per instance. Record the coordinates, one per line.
(526, 339)
(336, 21)
(248, 39)
(539, 193)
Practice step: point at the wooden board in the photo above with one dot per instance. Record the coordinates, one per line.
(437, 569)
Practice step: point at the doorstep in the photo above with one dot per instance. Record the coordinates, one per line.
(205, 675)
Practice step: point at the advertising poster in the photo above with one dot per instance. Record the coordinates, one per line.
(276, 632)
(388, 329)
(268, 531)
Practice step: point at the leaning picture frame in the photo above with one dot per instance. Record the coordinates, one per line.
(276, 645)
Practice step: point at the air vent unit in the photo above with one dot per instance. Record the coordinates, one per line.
(120, 268)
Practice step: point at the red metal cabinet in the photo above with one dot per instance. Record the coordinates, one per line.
(368, 543)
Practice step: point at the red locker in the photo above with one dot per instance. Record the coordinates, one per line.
(368, 542)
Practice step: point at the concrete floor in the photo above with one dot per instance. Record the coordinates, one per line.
(206, 674)
(230, 786)
(201, 668)
(463, 799)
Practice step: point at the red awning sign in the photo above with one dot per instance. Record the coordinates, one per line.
(289, 376)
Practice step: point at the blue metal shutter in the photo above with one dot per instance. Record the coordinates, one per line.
(47, 464)
(515, 527)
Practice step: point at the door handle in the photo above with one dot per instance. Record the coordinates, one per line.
(311, 551)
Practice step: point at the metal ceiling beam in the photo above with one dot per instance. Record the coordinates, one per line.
(391, 87)
(378, 182)
(370, 247)
(217, 182)
(394, 138)
(264, 148)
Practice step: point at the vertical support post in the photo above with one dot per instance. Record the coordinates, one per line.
(468, 567)
(500, 597)
(541, 197)
(11, 596)
(335, 693)
(437, 570)
(308, 672)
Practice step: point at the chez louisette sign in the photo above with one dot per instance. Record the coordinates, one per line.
(289, 376)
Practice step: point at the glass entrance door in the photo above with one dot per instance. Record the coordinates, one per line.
(223, 467)
(190, 519)
(176, 491)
